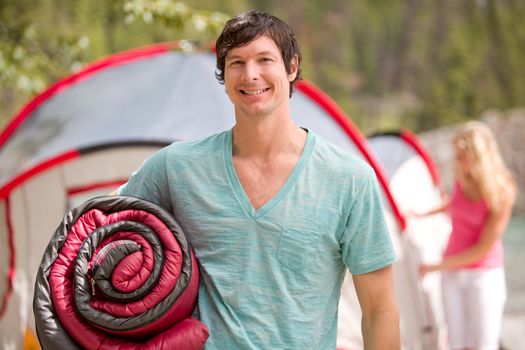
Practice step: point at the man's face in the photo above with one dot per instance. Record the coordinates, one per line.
(256, 79)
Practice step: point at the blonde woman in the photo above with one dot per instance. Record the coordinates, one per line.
(480, 206)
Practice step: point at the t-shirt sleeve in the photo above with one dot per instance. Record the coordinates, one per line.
(365, 243)
(150, 181)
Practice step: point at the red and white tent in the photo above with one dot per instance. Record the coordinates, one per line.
(87, 133)
(415, 184)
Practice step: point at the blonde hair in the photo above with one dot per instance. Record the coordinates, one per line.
(487, 168)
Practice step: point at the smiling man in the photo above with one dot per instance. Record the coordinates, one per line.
(274, 213)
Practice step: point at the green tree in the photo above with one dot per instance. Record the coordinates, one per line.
(33, 53)
(387, 63)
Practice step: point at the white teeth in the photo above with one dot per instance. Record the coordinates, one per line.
(257, 92)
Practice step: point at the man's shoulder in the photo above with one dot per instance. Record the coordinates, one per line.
(202, 145)
(340, 160)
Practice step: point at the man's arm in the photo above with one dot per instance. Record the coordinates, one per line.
(380, 321)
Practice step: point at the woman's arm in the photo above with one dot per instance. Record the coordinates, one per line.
(441, 208)
(493, 229)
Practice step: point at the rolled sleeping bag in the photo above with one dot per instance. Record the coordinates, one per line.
(118, 273)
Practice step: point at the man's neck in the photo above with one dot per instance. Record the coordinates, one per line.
(267, 137)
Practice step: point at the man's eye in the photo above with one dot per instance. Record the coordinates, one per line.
(266, 59)
(235, 63)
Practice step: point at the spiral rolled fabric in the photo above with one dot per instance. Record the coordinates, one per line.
(118, 273)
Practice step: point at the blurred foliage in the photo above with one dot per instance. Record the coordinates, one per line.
(413, 63)
(388, 63)
(176, 16)
(42, 41)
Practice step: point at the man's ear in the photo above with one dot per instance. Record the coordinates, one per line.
(294, 66)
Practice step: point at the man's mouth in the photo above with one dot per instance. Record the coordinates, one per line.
(254, 92)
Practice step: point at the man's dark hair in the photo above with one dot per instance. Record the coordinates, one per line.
(250, 25)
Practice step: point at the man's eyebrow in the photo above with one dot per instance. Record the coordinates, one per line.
(261, 53)
(266, 53)
(233, 57)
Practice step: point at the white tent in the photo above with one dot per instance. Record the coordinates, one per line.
(415, 184)
(88, 132)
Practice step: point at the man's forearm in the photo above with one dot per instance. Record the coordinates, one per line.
(381, 331)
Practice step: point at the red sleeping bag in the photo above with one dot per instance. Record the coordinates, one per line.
(118, 274)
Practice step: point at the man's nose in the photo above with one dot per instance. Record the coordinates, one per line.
(251, 71)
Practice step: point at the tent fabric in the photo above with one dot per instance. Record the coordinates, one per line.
(396, 147)
(158, 91)
(91, 130)
(165, 93)
(118, 271)
(416, 187)
(7, 258)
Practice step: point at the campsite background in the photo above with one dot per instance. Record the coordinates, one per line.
(422, 65)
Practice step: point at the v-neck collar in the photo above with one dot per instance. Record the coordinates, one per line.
(288, 184)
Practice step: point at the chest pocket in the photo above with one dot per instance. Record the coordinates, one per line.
(297, 249)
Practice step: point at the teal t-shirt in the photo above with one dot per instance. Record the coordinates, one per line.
(271, 277)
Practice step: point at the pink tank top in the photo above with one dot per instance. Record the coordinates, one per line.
(468, 218)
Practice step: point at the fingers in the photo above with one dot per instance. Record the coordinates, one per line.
(425, 269)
